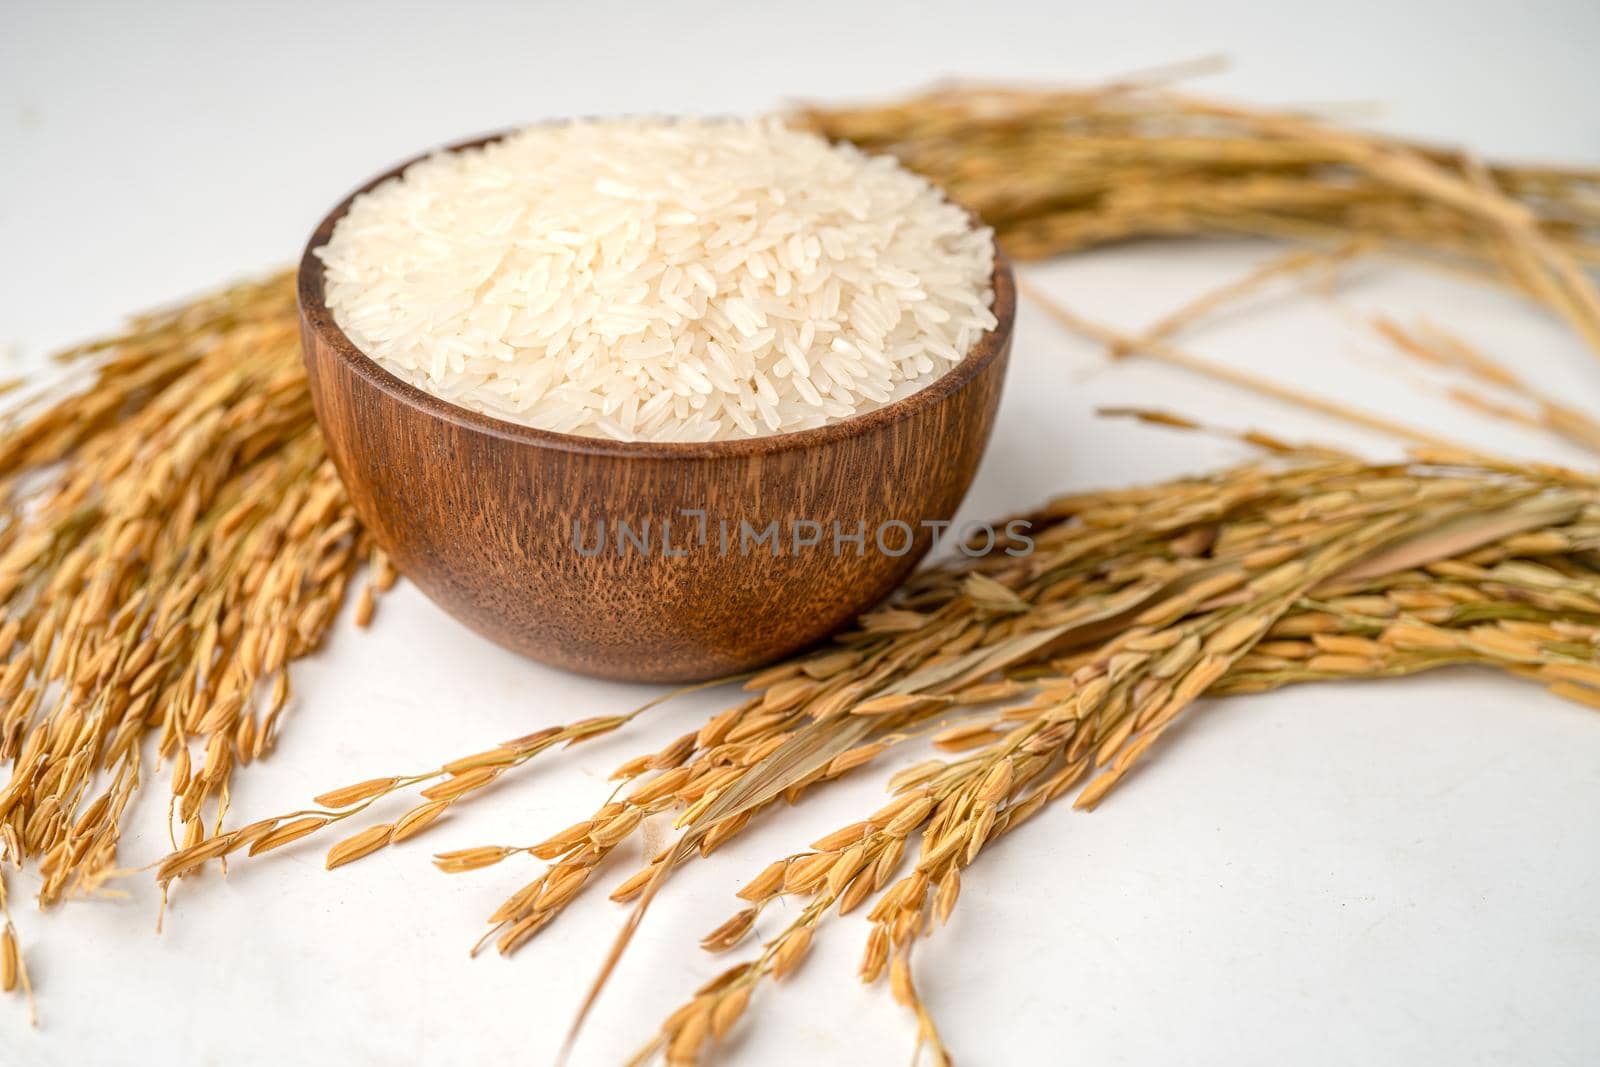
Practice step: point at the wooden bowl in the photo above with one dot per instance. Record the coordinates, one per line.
(481, 513)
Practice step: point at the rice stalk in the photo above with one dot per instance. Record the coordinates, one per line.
(1102, 708)
(1296, 261)
(1058, 170)
(1165, 352)
(173, 537)
(1438, 347)
(1065, 669)
(1427, 343)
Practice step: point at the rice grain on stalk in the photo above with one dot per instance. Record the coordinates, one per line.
(1135, 604)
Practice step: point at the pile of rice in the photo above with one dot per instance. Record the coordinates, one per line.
(661, 280)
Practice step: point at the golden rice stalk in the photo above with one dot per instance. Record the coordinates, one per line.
(1434, 345)
(1134, 604)
(1055, 171)
(173, 537)
(1263, 576)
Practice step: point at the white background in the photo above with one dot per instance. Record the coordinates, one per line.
(1395, 873)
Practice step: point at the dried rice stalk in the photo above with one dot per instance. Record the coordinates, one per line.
(1067, 666)
(1122, 343)
(1055, 171)
(1233, 584)
(173, 537)
(1298, 261)
(1439, 347)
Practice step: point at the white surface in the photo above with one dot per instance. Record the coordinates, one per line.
(1394, 873)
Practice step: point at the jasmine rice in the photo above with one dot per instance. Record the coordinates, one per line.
(647, 279)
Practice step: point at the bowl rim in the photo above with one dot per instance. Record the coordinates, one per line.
(314, 314)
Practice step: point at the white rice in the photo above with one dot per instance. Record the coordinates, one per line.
(661, 280)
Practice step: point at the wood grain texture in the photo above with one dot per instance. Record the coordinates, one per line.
(480, 513)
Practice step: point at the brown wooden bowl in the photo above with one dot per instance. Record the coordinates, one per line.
(481, 513)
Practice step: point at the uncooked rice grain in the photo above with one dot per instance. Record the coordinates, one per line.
(652, 279)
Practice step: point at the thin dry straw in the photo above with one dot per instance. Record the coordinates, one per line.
(1438, 347)
(1253, 383)
(1294, 262)
(1427, 342)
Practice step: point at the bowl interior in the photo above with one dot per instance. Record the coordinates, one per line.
(318, 317)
